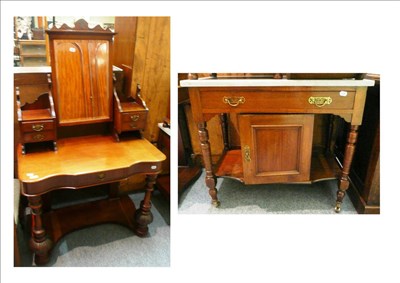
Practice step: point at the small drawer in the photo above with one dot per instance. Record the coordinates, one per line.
(39, 136)
(133, 121)
(37, 126)
(98, 178)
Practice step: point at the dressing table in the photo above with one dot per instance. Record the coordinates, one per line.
(84, 150)
(275, 124)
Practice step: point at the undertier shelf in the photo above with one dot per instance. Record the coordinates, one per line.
(323, 166)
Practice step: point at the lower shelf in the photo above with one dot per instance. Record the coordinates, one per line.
(323, 166)
(60, 222)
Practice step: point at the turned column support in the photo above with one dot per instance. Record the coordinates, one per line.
(143, 215)
(348, 158)
(211, 180)
(39, 243)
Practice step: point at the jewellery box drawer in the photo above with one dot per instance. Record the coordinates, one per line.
(38, 137)
(133, 120)
(37, 126)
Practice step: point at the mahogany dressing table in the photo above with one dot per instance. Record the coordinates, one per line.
(85, 150)
(275, 124)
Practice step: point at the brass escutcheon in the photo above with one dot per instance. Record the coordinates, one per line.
(38, 137)
(38, 127)
(246, 150)
(234, 100)
(320, 100)
(101, 176)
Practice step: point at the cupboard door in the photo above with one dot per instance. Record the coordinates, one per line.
(101, 97)
(276, 148)
(83, 81)
(72, 81)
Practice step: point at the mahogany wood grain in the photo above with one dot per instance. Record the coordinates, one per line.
(323, 166)
(211, 180)
(78, 163)
(348, 158)
(231, 165)
(278, 100)
(279, 147)
(81, 61)
(125, 40)
(209, 101)
(62, 221)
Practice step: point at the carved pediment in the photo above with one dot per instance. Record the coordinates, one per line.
(79, 26)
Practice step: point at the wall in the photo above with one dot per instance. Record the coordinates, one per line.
(151, 69)
(144, 44)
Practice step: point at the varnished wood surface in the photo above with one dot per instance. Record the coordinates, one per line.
(209, 101)
(84, 161)
(231, 165)
(81, 63)
(74, 73)
(279, 147)
(323, 166)
(62, 221)
(37, 114)
(125, 39)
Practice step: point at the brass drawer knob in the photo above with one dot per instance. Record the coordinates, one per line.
(38, 127)
(234, 100)
(320, 101)
(134, 118)
(101, 176)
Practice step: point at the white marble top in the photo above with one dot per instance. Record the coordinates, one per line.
(44, 69)
(164, 129)
(221, 82)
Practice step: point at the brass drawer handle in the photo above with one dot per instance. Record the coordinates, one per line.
(320, 101)
(38, 137)
(246, 150)
(38, 127)
(234, 100)
(101, 176)
(134, 118)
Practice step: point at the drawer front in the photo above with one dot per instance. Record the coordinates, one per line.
(98, 178)
(37, 126)
(242, 100)
(39, 136)
(133, 121)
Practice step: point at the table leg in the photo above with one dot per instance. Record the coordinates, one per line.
(211, 180)
(39, 243)
(348, 158)
(143, 215)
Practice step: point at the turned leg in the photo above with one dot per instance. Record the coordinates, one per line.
(211, 180)
(348, 158)
(39, 243)
(224, 125)
(143, 215)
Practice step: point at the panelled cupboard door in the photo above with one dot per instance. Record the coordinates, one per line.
(83, 81)
(276, 148)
